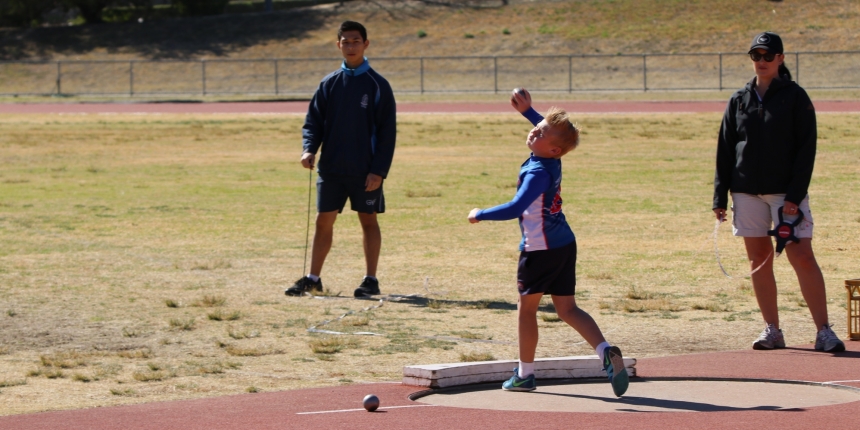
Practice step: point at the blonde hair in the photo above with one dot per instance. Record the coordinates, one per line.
(568, 133)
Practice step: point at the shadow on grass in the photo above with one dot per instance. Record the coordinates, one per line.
(191, 37)
(170, 38)
(429, 302)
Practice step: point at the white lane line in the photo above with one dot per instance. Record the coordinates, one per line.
(361, 409)
(836, 382)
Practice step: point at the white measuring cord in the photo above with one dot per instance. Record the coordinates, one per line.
(717, 253)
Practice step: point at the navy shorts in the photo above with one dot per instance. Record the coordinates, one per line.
(333, 190)
(551, 271)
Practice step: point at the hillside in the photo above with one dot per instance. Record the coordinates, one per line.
(495, 28)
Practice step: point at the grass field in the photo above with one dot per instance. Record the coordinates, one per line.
(144, 257)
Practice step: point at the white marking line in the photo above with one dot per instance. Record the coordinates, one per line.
(361, 409)
(836, 382)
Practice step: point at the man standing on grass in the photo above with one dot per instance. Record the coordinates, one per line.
(352, 121)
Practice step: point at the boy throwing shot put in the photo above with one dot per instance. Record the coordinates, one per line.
(547, 263)
(352, 122)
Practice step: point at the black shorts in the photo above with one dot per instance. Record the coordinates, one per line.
(551, 271)
(333, 190)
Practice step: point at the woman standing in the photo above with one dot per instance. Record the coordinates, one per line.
(765, 155)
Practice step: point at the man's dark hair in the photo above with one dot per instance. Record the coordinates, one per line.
(351, 26)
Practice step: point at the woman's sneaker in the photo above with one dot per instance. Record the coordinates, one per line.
(520, 384)
(304, 285)
(827, 341)
(770, 338)
(613, 364)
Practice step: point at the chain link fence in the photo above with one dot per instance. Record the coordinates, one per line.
(485, 74)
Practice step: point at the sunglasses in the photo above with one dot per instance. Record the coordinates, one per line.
(768, 57)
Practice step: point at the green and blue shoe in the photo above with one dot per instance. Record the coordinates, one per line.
(613, 364)
(520, 384)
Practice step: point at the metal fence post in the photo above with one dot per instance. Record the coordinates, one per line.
(570, 74)
(59, 78)
(721, 71)
(422, 75)
(277, 90)
(644, 72)
(131, 78)
(797, 64)
(203, 74)
(495, 75)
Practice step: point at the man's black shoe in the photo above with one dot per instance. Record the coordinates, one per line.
(368, 287)
(304, 285)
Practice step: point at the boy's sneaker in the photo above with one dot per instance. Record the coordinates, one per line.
(613, 364)
(369, 287)
(827, 341)
(770, 338)
(304, 285)
(520, 384)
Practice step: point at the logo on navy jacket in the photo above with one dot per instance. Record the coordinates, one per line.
(364, 101)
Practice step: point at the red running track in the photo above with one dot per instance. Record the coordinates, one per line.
(340, 407)
(300, 107)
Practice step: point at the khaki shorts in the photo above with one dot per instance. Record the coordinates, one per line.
(753, 215)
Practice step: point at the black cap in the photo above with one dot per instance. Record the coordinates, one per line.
(768, 41)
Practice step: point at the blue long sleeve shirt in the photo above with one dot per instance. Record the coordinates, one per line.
(352, 121)
(537, 203)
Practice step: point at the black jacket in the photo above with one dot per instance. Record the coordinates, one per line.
(766, 147)
(353, 117)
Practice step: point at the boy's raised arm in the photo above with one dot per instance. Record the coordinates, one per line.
(521, 100)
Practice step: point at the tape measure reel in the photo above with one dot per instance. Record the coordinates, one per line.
(784, 231)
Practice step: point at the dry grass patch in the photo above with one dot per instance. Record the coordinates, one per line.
(220, 315)
(65, 359)
(357, 321)
(476, 356)
(205, 368)
(129, 332)
(210, 301)
(329, 345)
(713, 307)
(138, 353)
(128, 392)
(468, 335)
(251, 351)
(242, 334)
(48, 372)
(182, 324)
(550, 318)
(150, 375)
(12, 382)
